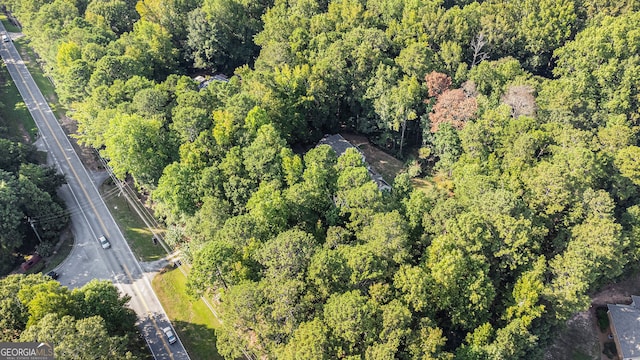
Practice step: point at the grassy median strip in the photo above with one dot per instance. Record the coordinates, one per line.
(191, 318)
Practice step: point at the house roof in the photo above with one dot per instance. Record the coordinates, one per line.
(340, 145)
(337, 143)
(203, 82)
(625, 320)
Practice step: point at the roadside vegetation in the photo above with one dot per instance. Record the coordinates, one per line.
(35, 66)
(134, 229)
(64, 248)
(8, 25)
(17, 123)
(45, 85)
(523, 133)
(33, 216)
(30, 183)
(192, 319)
(92, 320)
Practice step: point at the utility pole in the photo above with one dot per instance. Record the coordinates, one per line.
(32, 223)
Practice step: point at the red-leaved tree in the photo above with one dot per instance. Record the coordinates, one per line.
(455, 106)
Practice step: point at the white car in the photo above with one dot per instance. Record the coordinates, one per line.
(104, 242)
(170, 335)
(5, 38)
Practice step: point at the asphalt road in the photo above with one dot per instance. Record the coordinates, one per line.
(90, 218)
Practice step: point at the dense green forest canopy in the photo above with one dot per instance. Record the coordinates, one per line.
(522, 115)
(92, 321)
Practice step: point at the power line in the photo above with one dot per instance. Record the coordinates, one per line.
(73, 210)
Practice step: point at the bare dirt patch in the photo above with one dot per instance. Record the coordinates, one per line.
(24, 134)
(383, 163)
(578, 341)
(583, 339)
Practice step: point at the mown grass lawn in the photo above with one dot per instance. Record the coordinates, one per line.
(16, 120)
(191, 318)
(8, 25)
(135, 230)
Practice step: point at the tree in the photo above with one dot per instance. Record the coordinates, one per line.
(447, 147)
(493, 78)
(462, 285)
(138, 146)
(628, 161)
(284, 93)
(545, 26)
(220, 34)
(287, 255)
(214, 267)
(397, 105)
(243, 316)
(350, 320)
(149, 44)
(309, 341)
(14, 317)
(171, 15)
(388, 233)
(102, 298)
(414, 284)
(396, 321)
(417, 59)
(527, 295)
(73, 80)
(521, 100)
(111, 68)
(72, 337)
(177, 193)
(437, 83)
(454, 107)
(365, 265)
(117, 15)
(226, 128)
(261, 158)
(357, 195)
(328, 273)
(14, 155)
(37, 308)
(11, 218)
(594, 253)
(428, 342)
(584, 87)
(190, 116)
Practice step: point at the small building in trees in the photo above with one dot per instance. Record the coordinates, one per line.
(625, 328)
(340, 145)
(203, 82)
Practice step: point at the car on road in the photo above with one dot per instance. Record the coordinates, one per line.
(104, 242)
(52, 274)
(170, 335)
(5, 38)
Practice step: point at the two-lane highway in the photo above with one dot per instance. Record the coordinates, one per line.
(91, 218)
